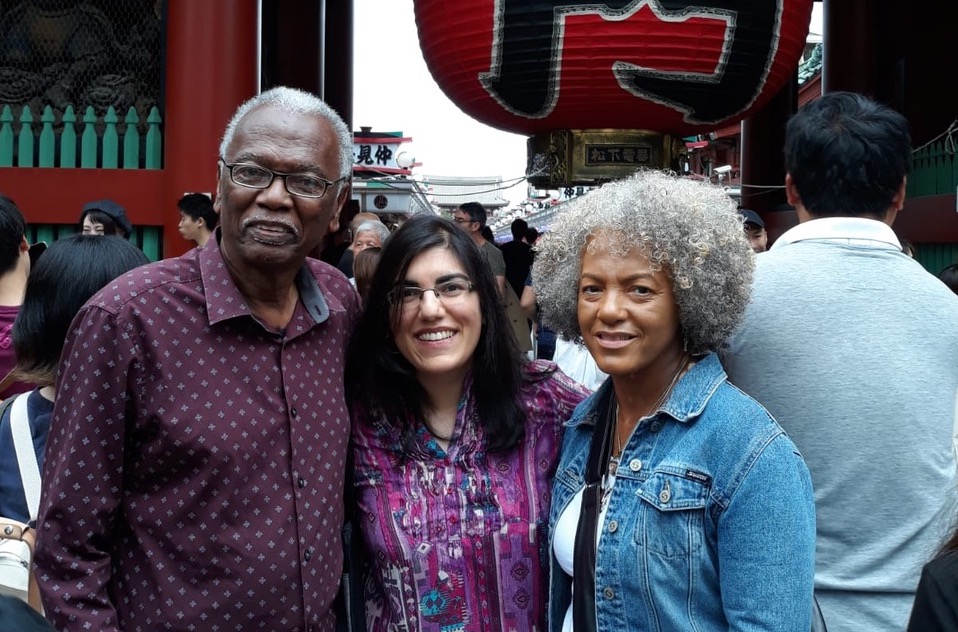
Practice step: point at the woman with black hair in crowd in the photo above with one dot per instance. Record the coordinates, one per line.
(70, 272)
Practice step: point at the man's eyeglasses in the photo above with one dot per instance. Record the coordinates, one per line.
(462, 220)
(255, 177)
(447, 291)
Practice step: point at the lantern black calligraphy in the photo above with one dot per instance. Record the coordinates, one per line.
(525, 81)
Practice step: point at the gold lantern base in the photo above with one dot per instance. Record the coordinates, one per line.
(571, 157)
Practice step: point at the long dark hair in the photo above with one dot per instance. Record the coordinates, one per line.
(380, 380)
(70, 271)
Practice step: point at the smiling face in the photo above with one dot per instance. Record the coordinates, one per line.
(628, 315)
(271, 227)
(757, 237)
(92, 228)
(438, 337)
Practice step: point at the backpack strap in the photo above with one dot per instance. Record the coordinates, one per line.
(26, 455)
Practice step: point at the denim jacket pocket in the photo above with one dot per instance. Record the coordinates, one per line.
(672, 514)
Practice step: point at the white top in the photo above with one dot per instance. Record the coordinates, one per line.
(563, 544)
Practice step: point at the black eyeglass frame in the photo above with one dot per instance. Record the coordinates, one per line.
(274, 174)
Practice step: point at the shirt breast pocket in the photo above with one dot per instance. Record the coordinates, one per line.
(672, 515)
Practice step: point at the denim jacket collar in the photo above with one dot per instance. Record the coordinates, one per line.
(688, 398)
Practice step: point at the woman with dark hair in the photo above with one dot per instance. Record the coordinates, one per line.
(105, 217)
(364, 267)
(456, 439)
(70, 271)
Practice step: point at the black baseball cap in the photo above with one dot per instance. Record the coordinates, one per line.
(751, 217)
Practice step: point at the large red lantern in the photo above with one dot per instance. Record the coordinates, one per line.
(607, 86)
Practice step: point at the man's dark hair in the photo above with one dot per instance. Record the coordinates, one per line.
(475, 210)
(12, 229)
(847, 155)
(199, 206)
(519, 228)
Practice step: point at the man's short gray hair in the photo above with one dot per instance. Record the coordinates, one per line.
(301, 102)
(690, 228)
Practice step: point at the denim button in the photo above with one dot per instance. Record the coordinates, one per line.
(635, 465)
(665, 495)
(608, 593)
(613, 526)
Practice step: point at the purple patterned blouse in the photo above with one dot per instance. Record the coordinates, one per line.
(195, 464)
(458, 539)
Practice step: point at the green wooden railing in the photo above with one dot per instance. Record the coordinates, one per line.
(107, 143)
(148, 238)
(87, 142)
(934, 170)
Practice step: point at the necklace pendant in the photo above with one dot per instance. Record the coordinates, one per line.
(613, 465)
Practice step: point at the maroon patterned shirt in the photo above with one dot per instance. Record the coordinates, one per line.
(194, 467)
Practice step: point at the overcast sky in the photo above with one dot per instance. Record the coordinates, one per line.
(394, 92)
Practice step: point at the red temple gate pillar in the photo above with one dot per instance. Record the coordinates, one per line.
(211, 67)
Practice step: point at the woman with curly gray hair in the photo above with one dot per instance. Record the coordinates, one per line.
(678, 501)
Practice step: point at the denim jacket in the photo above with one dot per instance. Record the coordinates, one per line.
(710, 524)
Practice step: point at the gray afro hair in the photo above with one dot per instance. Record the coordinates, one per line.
(690, 228)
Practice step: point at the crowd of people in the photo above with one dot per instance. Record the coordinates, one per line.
(245, 437)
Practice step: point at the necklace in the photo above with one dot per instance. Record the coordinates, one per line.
(616, 456)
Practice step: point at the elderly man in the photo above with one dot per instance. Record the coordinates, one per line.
(369, 234)
(195, 468)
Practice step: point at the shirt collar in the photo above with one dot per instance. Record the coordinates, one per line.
(688, 398)
(853, 231)
(224, 299)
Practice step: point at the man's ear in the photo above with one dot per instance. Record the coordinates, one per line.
(791, 192)
(897, 203)
(24, 246)
(341, 200)
(219, 193)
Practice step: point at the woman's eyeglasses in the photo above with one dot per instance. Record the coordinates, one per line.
(447, 291)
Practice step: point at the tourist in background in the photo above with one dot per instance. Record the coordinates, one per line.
(852, 347)
(105, 217)
(198, 218)
(71, 271)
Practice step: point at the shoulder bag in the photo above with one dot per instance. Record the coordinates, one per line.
(16, 538)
